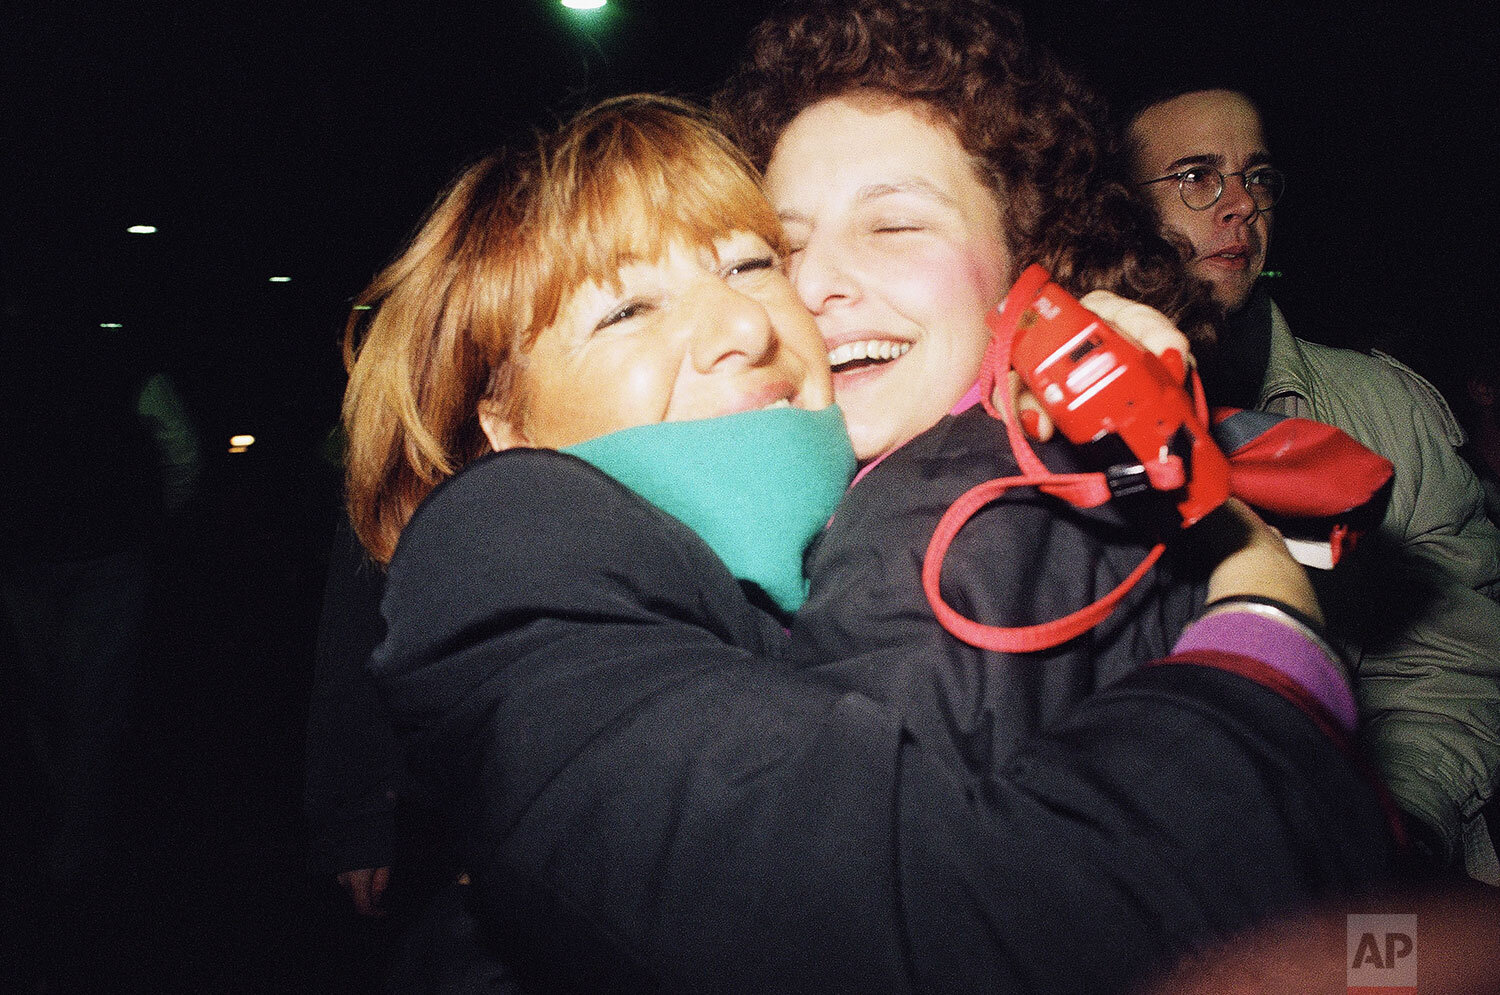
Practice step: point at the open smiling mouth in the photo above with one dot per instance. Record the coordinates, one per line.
(861, 355)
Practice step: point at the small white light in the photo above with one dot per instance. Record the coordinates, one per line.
(583, 4)
(110, 324)
(142, 229)
(281, 279)
(242, 440)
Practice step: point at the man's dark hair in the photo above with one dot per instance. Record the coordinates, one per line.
(1159, 91)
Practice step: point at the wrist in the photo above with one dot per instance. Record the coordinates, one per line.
(1281, 638)
(1308, 625)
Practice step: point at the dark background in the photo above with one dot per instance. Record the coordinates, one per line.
(307, 140)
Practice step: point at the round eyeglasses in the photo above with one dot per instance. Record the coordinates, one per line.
(1202, 186)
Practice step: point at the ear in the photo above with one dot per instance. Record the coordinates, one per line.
(498, 428)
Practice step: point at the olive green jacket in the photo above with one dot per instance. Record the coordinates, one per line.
(1417, 611)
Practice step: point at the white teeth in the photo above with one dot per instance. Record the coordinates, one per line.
(877, 349)
(783, 403)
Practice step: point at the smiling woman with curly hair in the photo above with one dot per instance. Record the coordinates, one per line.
(954, 81)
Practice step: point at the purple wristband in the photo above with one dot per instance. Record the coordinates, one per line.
(1280, 643)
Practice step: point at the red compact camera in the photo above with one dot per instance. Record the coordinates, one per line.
(1096, 383)
(1105, 392)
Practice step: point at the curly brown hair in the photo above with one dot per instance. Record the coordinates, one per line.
(1035, 132)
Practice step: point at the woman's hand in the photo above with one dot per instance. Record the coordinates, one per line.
(1144, 325)
(1253, 560)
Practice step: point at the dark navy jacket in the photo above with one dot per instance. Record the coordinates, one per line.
(654, 798)
(1025, 559)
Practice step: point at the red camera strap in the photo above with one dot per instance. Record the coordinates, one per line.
(1083, 490)
(1285, 466)
(1024, 638)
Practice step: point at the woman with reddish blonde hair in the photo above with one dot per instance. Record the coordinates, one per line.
(488, 270)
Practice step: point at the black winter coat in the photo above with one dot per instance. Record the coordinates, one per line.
(1026, 559)
(652, 798)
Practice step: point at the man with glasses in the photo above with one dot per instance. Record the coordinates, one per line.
(1203, 160)
(1417, 610)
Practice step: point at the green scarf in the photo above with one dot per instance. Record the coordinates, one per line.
(756, 486)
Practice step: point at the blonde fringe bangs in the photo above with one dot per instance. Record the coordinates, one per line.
(623, 188)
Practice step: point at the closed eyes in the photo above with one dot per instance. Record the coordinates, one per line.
(757, 263)
(638, 306)
(626, 311)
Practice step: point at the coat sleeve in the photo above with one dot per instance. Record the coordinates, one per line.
(653, 800)
(1024, 559)
(1420, 607)
(649, 796)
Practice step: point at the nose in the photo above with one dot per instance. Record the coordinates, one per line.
(820, 276)
(729, 329)
(1235, 203)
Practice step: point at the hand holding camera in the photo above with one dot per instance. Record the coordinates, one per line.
(1094, 382)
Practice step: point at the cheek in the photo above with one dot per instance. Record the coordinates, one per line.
(639, 390)
(952, 290)
(990, 275)
(1199, 227)
(1176, 218)
(798, 331)
(612, 390)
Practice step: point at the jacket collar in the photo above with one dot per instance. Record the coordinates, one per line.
(1287, 371)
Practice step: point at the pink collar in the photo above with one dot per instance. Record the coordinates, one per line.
(970, 398)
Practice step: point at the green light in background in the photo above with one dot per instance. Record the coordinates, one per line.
(281, 279)
(142, 229)
(110, 324)
(583, 4)
(1273, 273)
